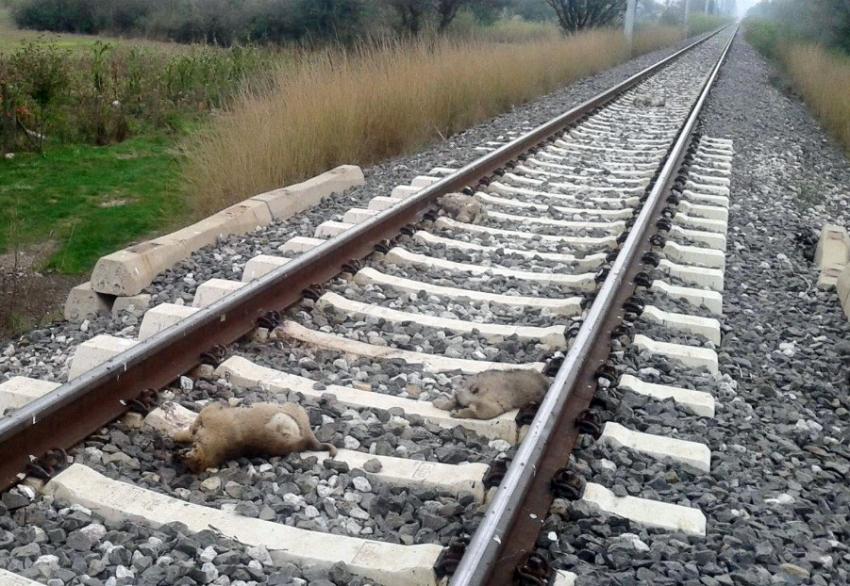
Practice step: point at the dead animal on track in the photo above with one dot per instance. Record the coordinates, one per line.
(463, 208)
(650, 101)
(221, 433)
(490, 393)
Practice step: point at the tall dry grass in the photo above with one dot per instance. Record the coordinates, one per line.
(515, 31)
(366, 105)
(651, 37)
(823, 79)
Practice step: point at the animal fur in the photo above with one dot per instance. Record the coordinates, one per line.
(222, 433)
(651, 101)
(460, 207)
(490, 393)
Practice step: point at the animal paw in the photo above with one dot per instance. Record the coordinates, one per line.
(466, 413)
(444, 403)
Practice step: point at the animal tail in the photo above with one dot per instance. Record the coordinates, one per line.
(324, 447)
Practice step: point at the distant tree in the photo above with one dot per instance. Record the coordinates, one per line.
(489, 11)
(829, 23)
(535, 10)
(415, 15)
(331, 19)
(649, 10)
(673, 12)
(127, 16)
(484, 10)
(412, 14)
(447, 10)
(70, 16)
(273, 21)
(575, 15)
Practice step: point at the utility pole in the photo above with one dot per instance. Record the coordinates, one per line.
(687, 12)
(631, 7)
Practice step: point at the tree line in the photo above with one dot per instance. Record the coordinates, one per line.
(225, 22)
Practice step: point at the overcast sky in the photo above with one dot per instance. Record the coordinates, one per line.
(744, 5)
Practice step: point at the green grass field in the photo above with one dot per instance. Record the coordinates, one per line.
(89, 200)
(79, 201)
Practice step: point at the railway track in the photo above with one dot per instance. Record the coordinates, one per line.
(602, 245)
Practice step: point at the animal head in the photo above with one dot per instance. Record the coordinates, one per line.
(195, 459)
(472, 385)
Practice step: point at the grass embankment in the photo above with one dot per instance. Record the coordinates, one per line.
(90, 201)
(363, 106)
(92, 137)
(820, 75)
(823, 79)
(90, 157)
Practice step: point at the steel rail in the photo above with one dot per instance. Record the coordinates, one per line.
(510, 527)
(76, 409)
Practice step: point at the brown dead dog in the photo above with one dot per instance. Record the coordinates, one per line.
(460, 207)
(490, 393)
(222, 433)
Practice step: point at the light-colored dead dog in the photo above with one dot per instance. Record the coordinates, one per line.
(221, 433)
(658, 100)
(460, 207)
(490, 393)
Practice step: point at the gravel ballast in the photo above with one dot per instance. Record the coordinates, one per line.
(56, 545)
(776, 498)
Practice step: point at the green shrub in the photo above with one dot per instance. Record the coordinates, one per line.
(826, 22)
(105, 94)
(764, 35)
(34, 86)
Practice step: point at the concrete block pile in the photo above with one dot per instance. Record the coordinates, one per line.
(118, 279)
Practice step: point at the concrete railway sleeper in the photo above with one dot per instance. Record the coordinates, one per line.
(381, 313)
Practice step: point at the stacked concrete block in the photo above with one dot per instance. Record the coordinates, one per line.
(832, 257)
(843, 286)
(126, 273)
(832, 254)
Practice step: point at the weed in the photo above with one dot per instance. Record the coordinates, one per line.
(505, 31)
(813, 72)
(33, 83)
(651, 37)
(809, 195)
(823, 79)
(26, 295)
(101, 94)
(765, 36)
